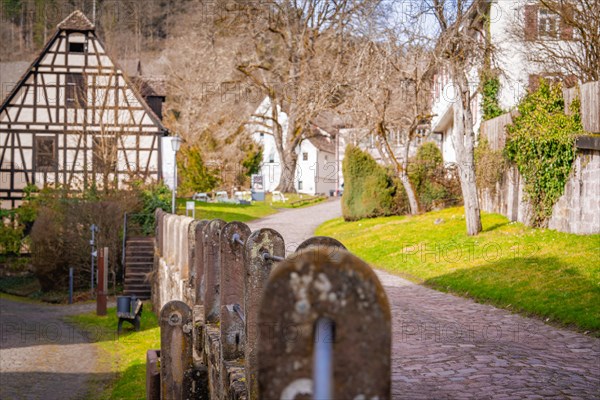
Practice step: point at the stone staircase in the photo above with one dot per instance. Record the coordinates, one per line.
(139, 261)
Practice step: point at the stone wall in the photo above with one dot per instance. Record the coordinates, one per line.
(577, 210)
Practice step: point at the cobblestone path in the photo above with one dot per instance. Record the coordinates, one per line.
(42, 357)
(448, 347)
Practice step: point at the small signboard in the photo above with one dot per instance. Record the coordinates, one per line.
(190, 208)
(258, 187)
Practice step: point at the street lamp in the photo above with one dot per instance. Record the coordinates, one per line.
(176, 144)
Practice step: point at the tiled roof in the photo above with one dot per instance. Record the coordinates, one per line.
(150, 85)
(77, 21)
(322, 142)
(10, 76)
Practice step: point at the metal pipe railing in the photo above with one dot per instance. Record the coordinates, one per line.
(323, 360)
(237, 239)
(124, 244)
(268, 256)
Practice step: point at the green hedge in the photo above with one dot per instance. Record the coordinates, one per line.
(369, 189)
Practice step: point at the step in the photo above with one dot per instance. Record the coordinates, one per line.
(141, 239)
(143, 250)
(139, 286)
(147, 260)
(139, 295)
(139, 263)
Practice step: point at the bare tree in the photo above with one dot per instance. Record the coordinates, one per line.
(460, 49)
(209, 100)
(563, 36)
(388, 97)
(298, 52)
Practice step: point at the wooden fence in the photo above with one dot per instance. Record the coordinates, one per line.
(241, 323)
(589, 94)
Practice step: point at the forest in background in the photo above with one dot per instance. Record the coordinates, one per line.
(130, 28)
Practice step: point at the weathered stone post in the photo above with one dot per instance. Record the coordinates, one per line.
(212, 270)
(258, 268)
(198, 265)
(158, 253)
(232, 326)
(176, 360)
(320, 242)
(190, 290)
(331, 284)
(233, 273)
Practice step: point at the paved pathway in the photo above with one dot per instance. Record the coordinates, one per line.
(448, 347)
(42, 357)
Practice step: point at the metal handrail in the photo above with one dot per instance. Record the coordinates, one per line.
(124, 243)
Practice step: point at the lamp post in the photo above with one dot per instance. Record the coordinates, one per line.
(176, 144)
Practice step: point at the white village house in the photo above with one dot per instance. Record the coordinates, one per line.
(74, 119)
(318, 167)
(513, 26)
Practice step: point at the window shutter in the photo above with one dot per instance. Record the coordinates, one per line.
(531, 21)
(566, 29)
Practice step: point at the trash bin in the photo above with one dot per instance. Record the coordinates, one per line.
(123, 304)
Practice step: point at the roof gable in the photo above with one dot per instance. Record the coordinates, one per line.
(77, 21)
(41, 76)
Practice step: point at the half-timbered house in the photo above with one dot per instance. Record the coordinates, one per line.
(75, 120)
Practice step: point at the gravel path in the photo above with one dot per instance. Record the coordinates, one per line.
(43, 357)
(448, 347)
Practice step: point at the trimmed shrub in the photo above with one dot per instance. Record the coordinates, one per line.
(436, 186)
(369, 189)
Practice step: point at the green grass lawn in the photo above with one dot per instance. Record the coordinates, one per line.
(245, 213)
(552, 275)
(125, 354)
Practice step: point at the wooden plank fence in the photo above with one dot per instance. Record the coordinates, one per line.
(247, 326)
(589, 95)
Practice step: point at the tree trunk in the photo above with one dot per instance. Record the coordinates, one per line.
(410, 193)
(288, 171)
(400, 169)
(463, 138)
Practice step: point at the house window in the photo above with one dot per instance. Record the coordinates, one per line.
(304, 156)
(326, 157)
(548, 24)
(272, 156)
(75, 91)
(105, 154)
(45, 153)
(75, 47)
(299, 185)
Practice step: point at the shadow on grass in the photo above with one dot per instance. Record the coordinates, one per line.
(540, 286)
(52, 385)
(495, 226)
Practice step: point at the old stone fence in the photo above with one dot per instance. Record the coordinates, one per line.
(240, 320)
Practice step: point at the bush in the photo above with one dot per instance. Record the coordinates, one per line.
(541, 142)
(11, 236)
(194, 176)
(369, 189)
(436, 186)
(61, 233)
(152, 197)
